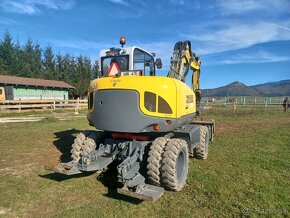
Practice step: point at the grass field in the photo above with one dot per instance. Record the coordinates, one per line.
(247, 172)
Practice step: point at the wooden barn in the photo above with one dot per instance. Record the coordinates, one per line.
(22, 88)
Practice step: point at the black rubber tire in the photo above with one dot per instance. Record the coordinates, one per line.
(84, 143)
(175, 165)
(201, 151)
(154, 160)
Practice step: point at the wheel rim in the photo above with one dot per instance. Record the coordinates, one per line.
(180, 165)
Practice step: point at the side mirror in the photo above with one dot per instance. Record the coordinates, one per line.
(158, 63)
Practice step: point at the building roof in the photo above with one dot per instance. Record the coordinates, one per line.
(14, 80)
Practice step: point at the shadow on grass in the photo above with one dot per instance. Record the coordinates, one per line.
(63, 143)
(110, 180)
(60, 177)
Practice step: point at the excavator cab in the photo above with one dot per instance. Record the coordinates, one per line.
(128, 61)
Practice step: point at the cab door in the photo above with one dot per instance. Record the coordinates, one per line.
(2, 94)
(143, 62)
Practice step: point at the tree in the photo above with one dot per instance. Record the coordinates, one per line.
(81, 75)
(18, 66)
(95, 70)
(87, 72)
(68, 68)
(78, 77)
(6, 54)
(72, 74)
(2, 68)
(37, 62)
(49, 63)
(28, 64)
(59, 67)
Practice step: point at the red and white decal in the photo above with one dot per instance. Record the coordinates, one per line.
(114, 69)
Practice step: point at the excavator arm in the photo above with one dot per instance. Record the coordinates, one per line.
(183, 60)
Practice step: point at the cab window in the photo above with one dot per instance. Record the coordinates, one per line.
(122, 61)
(143, 62)
(150, 101)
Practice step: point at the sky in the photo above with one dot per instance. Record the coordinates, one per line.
(237, 40)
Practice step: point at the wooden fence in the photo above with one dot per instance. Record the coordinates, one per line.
(28, 105)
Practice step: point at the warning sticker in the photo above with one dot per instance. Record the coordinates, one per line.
(114, 69)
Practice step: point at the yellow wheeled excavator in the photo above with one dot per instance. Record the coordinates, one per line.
(141, 117)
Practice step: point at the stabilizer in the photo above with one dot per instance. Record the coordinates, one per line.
(69, 168)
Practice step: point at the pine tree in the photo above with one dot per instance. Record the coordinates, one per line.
(68, 68)
(28, 64)
(37, 62)
(78, 76)
(49, 63)
(18, 60)
(59, 67)
(6, 54)
(2, 68)
(72, 75)
(95, 70)
(87, 74)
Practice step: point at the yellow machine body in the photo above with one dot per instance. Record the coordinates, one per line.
(166, 102)
(177, 94)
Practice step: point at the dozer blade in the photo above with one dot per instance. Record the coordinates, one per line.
(145, 192)
(69, 168)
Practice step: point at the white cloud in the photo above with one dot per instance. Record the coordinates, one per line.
(121, 2)
(137, 8)
(7, 21)
(126, 14)
(177, 2)
(79, 44)
(187, 4)
(282, 27)
(236, 6)
(55, 4)
(34, 6)
(236, 35)
(231, 37)
(245, 6)
(258, 57)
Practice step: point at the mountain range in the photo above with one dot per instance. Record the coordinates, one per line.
(280, 88)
